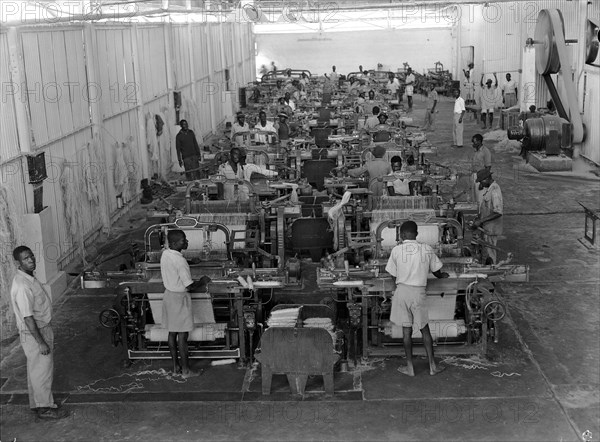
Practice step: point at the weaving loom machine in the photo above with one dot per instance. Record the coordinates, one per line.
(464, 309)
(219, 330)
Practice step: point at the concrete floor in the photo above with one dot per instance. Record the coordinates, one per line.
(539, 383)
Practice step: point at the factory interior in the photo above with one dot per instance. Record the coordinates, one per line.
(278, 153)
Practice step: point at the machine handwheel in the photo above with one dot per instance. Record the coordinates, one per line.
(494, 311)
(109, 318)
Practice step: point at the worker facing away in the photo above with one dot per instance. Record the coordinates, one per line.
(410, 262)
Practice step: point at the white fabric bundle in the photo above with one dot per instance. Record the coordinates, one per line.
(324, 323)
(284, 318)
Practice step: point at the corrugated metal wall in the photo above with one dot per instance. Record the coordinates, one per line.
(9, 138)
(59, 98)
(56, 84)
(591, 116)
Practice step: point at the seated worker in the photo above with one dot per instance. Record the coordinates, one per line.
(376, 168)
(400, 186)
(304, 79)
(283, 107)
(287, 99)
(373, 120)
(239, 128)
(265, 126)
(382, 117)
(279, 87)
(299, 93)
(410, 163)
(283, 131)
(235, 168)
(532, 113)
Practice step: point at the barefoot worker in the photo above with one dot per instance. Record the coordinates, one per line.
(177, 316)
(410, 262)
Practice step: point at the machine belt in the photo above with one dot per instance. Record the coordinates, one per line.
(572, 114)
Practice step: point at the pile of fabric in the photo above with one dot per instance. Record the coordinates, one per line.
(287, 317)
(324, 323)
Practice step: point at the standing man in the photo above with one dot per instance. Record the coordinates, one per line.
(239, 129)
(459, 113)
(410, 262)
(32, 307)
(482, 159)
(334, 76)
(188, 151)
(491, 209)
(489, 97)
(177, 316)
(394, 86)
(376, 168)
(509, 92)
(265, 126)
(283, 131)
(432, 99)
(409, 82)
(469, 85)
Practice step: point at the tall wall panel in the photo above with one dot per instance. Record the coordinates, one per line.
(180, 54)
(9, 137)
(118, 87)
(153, 61)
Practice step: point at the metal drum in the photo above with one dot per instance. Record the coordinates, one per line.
(549, 133)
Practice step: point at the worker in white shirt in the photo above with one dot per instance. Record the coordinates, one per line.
(32, 307)
(489, 99)
(234, 169)
(373, 121)
(334, 76)
(410, 262)
(177, 314)
(509, 92)
(459, 113)
(409, 84)
(264, 125)
(469, 85)
(394, 86)
(287, 98)
(400, 186)
(239, 129)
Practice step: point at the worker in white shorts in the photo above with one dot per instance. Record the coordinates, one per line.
(410, 262)
(489, 98)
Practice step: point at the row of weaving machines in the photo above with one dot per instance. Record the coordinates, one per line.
(256, 246)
